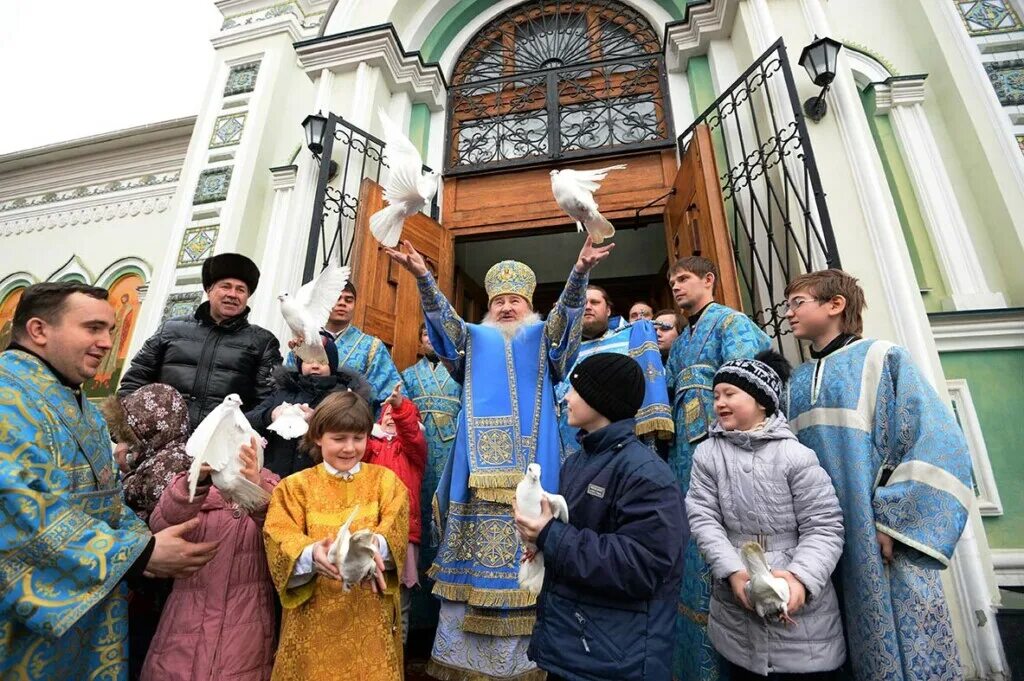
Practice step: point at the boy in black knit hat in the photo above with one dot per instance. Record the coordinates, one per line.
(612, 573)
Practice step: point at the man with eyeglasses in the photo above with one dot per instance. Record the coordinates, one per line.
(715, 335)
(667, 326)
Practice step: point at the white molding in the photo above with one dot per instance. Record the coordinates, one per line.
(116, 269)
(1009, 566)
(97, 210)
(72, 268)
(381, 49)
(276, 276)
(866, 69)
(988, 501)
(997, 333)
(285, 23)
(15, 280)
(899, 91)
(711, 21)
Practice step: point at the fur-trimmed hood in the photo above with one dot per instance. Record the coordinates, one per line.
(292, 381)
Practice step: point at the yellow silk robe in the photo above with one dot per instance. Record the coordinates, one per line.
(327, 633)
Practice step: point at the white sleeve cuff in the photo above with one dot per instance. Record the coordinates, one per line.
(385, 551)
(303, 571)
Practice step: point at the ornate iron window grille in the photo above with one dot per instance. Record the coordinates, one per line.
(778, 218)
(554, 80)
(355, 155)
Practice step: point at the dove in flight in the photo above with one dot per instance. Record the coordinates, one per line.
(528, 495)
(574, 194)
(291, 422)
(216, 441)
(767, 593)
(308, 310)
(407, 190)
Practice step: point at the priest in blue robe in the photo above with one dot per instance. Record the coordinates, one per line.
(902, 471)
(509, 366)
(715, 335)
(438, 396)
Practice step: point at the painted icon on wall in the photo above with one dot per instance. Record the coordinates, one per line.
(124, 296)
(7, 307)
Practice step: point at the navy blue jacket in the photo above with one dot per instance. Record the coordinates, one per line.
(612, 573)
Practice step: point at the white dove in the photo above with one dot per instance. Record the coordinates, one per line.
(767, 593)
(352, 553)
(574, 193)
(307, 311)
(528, 496)
(291, 422)
(407, 190)
(216, 441)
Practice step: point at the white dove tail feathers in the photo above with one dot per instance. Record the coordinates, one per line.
(531, 574)
(249, 496)
(309, 352)
(386, 225)
(193, 477)
(599, 228)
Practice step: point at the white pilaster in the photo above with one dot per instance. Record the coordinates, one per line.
(901, 98)
(276, 275)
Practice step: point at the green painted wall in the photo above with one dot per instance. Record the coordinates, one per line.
(915, 232)
(419, 127)
(995, 378)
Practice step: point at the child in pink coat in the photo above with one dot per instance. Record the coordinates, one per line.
(219, 622)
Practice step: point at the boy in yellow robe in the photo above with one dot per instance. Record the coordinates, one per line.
(327, 633)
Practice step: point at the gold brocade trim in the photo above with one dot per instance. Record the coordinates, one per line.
(665, 427)
(492, 480)
(481, 598)
(445, 672)
(521, 625)
(700, 618)
(497, 496)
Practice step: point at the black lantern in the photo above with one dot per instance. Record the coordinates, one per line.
(819, 60)
(315, 125)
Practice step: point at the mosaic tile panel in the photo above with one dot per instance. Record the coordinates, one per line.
(241, 78)
(212, 186)
(180, 304)
(987, 17)
(1008, 80)
(227, 130)
(197, 244)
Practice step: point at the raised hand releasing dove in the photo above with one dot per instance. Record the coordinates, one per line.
(309, 309)
(528, 495)
(574, 193)
(407, 190)
(216, 441)
(767, 594)
(291, 422)
(353, 554)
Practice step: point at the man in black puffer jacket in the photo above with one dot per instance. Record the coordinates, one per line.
(214, 352)
(612, 573)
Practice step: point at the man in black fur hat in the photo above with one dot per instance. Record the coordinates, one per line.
(215, 351)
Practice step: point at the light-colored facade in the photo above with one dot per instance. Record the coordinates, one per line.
(921, 156)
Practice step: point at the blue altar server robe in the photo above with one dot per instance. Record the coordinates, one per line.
(900, 465)
(66, 538)
(721, 334)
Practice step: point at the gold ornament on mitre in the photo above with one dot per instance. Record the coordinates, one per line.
(510, 277)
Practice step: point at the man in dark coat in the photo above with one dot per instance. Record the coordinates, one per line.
(612, 573)
(215, 351)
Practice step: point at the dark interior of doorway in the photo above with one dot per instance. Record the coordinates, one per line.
(635, 271)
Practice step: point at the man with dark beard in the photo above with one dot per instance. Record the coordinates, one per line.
(508, 366)
(438, 397)
(637, 340)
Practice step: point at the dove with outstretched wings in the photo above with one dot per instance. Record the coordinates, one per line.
(308, 310)
(574, 193)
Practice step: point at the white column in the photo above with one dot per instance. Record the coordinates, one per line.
(901, 98)
(275, 268)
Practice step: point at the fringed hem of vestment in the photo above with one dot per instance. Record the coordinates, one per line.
(700, 618)
(488, 625)
(495, 495)
(665, 428)
(492, 479)
(445, 672)
(481, 598)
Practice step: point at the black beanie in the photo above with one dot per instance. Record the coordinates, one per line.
(230, 266)
(612, 384)
(762, 378)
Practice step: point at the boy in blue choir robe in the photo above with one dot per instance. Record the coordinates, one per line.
(716, 334)
(902, 471)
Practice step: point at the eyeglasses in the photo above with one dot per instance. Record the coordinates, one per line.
(794, 305)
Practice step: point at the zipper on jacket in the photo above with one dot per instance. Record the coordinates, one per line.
(201, 368)
(583, 631)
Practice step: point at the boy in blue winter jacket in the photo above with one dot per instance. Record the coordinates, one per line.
(612, 573)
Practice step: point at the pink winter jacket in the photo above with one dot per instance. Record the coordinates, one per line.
(218, 623)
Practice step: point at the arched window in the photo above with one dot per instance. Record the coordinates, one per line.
(551, 80)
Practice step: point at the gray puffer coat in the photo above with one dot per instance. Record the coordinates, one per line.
(765, 486)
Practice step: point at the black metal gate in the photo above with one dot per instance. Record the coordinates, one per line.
(778, 218)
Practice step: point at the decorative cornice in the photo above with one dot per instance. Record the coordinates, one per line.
(1008, 565)
(978, 330)
(899, 91)
(283, 177)
(690, 36)
(377, 46)
(97, 211)
(88, 191)
(248, 20)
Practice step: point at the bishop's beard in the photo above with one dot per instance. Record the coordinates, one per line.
(510, 329)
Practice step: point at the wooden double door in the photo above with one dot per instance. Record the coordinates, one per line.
(520, 203)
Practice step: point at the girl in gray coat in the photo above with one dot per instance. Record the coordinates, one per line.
(752, 481)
